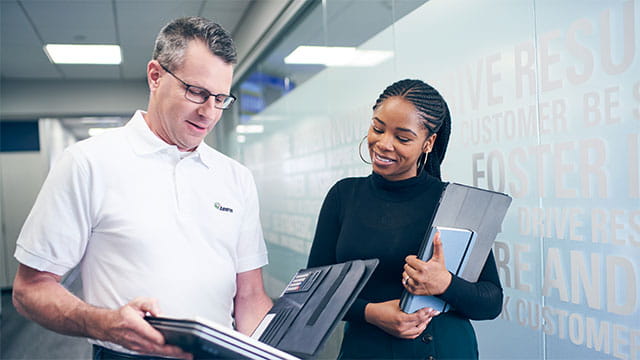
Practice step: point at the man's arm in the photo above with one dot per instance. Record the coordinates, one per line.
(39, 296)
(251, 303)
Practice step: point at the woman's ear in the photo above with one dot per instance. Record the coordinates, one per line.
(428, 145)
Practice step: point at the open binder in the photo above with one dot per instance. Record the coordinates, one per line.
(298, 324)
(469, 219)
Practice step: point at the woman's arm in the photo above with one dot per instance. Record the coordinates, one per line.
(323, 248)
(481, 300)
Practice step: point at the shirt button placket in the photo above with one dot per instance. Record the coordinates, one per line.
(428, 339)
(179, 184)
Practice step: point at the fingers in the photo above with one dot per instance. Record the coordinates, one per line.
(146, 305)
(173, 351)
(413, 261)
(419, 322)
(134, 312)
(408, 282)
(438, 251)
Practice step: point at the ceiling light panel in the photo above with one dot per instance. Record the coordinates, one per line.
(337, 56)
(83, 54)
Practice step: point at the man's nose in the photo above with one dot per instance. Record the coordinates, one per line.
(209, 110)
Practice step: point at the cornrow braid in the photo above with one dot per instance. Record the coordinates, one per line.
(433, 109)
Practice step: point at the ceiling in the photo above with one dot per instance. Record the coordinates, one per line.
(27, 25)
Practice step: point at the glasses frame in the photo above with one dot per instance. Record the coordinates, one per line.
(207, 92)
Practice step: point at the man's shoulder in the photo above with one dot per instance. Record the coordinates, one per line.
(223, 162)
(107, 144)
(110, 139)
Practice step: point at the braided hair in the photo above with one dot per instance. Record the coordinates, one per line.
(433, 109)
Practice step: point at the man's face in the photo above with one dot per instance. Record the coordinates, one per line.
(171, 116)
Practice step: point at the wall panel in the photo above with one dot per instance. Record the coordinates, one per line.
(545, 99)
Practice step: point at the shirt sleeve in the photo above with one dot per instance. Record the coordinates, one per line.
(481, 300)
(251, 248)
(54, 236)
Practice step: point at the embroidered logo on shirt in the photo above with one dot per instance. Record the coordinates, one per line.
(222, 208)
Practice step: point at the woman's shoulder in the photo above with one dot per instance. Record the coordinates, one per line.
(350, 182)
(347, 186)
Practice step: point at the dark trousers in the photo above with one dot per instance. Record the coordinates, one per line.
(102, 353)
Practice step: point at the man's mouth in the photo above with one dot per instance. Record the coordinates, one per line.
(199, 127)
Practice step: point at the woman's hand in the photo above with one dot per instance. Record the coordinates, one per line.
(388, 317)
(427, 278)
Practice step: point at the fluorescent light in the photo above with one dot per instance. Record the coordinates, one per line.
(324, 55)
(249, 129)
(365, 58)
(336, 56)
(83, 54)
(89, 120)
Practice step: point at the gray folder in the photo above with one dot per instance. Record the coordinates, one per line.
(469, 219)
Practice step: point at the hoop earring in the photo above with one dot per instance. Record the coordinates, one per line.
(360, 151)
(424, 163)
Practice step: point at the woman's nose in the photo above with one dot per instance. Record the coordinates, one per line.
(385, 142)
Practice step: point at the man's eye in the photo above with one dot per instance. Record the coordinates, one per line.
(220, 98)
(197, 92)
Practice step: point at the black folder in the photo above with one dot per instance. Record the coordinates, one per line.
(298, 324)
(208, 340)
(469, 219)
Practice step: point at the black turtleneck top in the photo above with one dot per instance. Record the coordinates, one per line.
(370, 217)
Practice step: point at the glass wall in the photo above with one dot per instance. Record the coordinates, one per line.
(545, 101)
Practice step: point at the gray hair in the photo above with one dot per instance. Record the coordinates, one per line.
(175, 36)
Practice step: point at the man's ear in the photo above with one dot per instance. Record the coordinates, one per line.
(154, 72)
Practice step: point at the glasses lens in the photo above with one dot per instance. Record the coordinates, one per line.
(196, 94)
(224, 101)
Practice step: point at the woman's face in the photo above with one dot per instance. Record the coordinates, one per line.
(397, 138)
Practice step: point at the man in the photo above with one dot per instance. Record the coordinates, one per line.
(158, 221)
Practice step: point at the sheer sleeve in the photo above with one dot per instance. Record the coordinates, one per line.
(481, 300)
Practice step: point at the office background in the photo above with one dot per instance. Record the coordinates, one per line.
(545, 101)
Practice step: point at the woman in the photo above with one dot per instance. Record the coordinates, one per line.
(385, 216)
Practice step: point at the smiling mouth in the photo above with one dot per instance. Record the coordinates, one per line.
(382, 159)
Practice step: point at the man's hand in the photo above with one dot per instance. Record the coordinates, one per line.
(126, 326)
(391, 319)
(39, 296)
(427, 278)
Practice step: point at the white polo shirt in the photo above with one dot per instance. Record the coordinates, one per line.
(141, 220)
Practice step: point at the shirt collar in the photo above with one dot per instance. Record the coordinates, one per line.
(145, 142)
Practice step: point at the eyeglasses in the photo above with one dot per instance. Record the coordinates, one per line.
(199, 95)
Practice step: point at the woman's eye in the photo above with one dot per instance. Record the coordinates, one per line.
(379, 131)
(404, 140)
